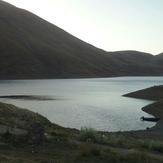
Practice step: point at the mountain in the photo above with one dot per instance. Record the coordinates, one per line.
(138, 63)
(159, 59)
(32, 48)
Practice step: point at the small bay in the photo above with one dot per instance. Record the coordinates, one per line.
(96, 103)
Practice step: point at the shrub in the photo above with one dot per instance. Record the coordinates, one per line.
(89, 135)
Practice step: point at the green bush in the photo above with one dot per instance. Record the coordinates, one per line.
(89, 135)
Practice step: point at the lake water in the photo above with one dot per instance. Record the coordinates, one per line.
(96, 103)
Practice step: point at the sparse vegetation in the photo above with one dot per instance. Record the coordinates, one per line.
(66, 145)
(89, 135)
(18, 117)
(119, 140)
(151, 145)
(92, 153)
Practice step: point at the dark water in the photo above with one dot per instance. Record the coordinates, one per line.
(96, 103)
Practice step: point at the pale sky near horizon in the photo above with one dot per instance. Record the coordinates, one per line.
(107, 24)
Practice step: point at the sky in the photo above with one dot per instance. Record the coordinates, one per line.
(111, 25)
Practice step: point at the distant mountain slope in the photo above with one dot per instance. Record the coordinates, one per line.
(159, 59)
(138, 63)
(31, 47)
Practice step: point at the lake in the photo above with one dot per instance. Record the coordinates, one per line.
(96, 103)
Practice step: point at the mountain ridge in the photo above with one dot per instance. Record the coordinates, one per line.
(33, 48)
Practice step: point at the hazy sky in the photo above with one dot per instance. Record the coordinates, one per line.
(108, 24)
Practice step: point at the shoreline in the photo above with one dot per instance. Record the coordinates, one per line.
(45, 98)
(157, 129)
(152, 133)
(22, 141)
(151, 109)
(69, 78)
(154, 94)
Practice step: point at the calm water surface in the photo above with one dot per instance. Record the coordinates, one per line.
(96, 103)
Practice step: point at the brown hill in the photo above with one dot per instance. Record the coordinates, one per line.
(31, 47)
(154, 93)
